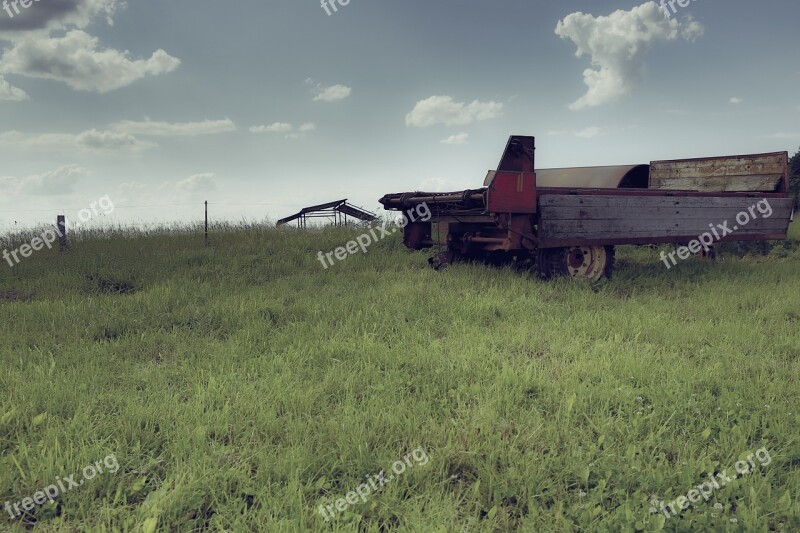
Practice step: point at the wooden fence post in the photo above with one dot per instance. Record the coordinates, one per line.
(63, 243)
(206, 222)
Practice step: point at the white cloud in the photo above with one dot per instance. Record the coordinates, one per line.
(58, 15)
(691, 30)
(443, 110)
(588, 133)
(459, 138)
(109, 140)
(198, 183)
(87, 140)
(284, 127)
(8, 182)
(47, 140)
(175, 129)
(48, 42)
(334, 93)
(735, 100)
(75, 60)
(440, 185)
(277, 127)
(617, 45)
(130, 187)
(53, 183)
(784, 135)
(59, 181)
(9, 93)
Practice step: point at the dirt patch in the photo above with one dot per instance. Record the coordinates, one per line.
(10, 296)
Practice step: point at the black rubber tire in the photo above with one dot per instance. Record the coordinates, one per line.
(611, 261)
(551, 263)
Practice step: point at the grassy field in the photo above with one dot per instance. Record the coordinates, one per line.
(240, 386)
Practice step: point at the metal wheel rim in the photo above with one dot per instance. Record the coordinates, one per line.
(586, 262)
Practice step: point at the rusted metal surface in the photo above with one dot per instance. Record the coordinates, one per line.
(512, 192)
(417, 235)
(337, 211)
(627, 176)
(587, 262)
(613, 177)
(518, 155)
(568, 220)
(488, 240)
(469, 198)
(517, 159)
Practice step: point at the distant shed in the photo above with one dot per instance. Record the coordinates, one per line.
(337, 211)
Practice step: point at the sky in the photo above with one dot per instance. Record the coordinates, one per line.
(262, 108)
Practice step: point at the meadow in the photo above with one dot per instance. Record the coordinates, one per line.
(240, 386)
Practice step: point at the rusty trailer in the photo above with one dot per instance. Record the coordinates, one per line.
(567, 221)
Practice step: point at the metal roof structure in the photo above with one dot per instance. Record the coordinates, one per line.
(338, 211)
(611, 177)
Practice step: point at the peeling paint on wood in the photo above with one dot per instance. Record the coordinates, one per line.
(761, 172)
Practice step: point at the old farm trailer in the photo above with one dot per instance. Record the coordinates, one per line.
(567, 221)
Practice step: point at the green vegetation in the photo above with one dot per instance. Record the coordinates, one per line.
(240, 386)
(794, 177)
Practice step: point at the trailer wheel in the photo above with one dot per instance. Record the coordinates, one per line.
(611, 260)
(549, 263)
(577, 262)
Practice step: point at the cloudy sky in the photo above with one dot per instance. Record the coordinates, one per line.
(264, 107)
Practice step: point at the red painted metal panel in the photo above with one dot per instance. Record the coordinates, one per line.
(512, 192)
(518, 155)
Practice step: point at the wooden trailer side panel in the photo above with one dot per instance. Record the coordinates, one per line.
(745, 173)
(567, 220)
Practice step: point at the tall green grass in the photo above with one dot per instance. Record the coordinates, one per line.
(240, 385)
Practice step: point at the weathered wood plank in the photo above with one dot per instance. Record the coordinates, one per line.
(616, 232)
(680, 239)
(613, 217)
(610, 201)
(761, 172)
(654, 213)
(760, 183)
(676, 225)
(678, 169)
(730, 161)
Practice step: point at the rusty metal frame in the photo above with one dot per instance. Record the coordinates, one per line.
(472, 227)
(336, 211)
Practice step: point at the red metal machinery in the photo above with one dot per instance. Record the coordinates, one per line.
(567, 221)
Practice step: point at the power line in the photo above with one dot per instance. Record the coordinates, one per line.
(147, 207)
